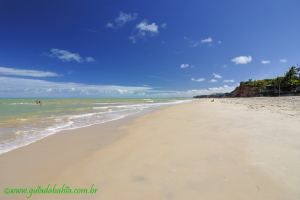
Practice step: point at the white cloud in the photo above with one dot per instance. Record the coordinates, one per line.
(190, 93)
(214, 90)
(217, 75)
(121, 20)
(182, 66)
(242, 60)
(228, 81)
(283, 60)
(207, 40)
(68, 56)
(21, 87)
(265, 62)
(144, 28)
(198, 79)
(65, 55)
(9, 71)
(213, 80)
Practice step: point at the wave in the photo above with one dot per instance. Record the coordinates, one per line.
(21, 103)
(99, 115)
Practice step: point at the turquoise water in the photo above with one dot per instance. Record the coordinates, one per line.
(22, 121)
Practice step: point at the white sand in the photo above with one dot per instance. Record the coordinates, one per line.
(200, 150)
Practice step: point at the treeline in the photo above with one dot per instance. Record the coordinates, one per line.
(289, 81)
(287, 84)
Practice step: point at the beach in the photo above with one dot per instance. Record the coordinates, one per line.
(226, 149)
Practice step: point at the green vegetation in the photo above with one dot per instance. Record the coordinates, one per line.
(289, 83)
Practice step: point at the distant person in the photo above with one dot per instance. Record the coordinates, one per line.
(38, 102)
(212, 100)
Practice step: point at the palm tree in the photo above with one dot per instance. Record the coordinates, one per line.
(292, 73)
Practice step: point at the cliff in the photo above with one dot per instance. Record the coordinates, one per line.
(286, 85)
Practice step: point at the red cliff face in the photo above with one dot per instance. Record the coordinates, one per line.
(245, 91)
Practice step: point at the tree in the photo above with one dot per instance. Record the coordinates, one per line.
(292, 73)
(291, 78)
(289, 83)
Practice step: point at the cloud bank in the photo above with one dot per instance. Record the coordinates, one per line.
(9, 71)
(23, 87)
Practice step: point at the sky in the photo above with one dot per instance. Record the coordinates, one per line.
(136, 48)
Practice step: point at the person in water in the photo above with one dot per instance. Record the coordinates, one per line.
(38, 102)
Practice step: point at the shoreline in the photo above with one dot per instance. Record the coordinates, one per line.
(201, 149)
(57, 128)
(116, 123)
(68, 130)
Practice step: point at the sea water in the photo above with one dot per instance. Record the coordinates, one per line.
(23, 121)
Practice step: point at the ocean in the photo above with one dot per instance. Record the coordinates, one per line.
(23, 121)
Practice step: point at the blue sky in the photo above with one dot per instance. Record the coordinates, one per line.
(143, 49)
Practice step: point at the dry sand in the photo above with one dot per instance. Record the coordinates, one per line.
(227, 149)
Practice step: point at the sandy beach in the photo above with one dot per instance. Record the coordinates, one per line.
(226, 149)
